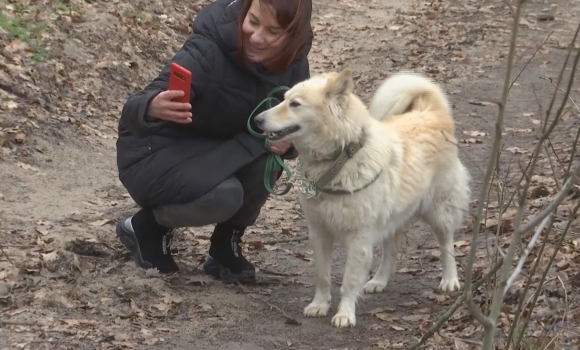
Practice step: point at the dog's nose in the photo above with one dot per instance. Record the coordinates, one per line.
(259, 120)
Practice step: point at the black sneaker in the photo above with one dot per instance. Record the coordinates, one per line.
(226, 261)
(151, 248)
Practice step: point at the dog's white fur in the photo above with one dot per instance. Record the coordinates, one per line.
(408, 134)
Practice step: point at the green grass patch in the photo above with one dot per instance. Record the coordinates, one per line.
(28, 32)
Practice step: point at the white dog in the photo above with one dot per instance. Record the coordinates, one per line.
(373, 171)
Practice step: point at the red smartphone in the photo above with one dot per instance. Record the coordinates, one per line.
(180, 79)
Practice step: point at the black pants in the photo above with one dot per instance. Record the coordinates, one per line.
(238, 201)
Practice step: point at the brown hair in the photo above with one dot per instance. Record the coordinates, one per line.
(294, 17)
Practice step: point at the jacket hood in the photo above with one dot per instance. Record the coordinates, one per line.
(219, 22)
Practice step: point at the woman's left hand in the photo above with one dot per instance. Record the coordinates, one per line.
(280, 147)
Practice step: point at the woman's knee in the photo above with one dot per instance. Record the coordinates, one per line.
(217, 205)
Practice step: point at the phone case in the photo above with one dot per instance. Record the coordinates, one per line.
(180, 79)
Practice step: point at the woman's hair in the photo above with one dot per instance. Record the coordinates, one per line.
(294, 17)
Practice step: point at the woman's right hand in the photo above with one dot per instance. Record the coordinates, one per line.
(162, 107)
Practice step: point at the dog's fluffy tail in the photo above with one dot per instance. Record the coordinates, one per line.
(407, 92)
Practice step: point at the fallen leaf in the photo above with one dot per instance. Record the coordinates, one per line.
(471, 140)
(381, 309)
(100, 222)
(475, 133)
(162, 307)
(412, 271)
(171, 299)
(516, 150)
(26, 166)
(49, 256)
(415, 318)
(397, 328)
(83, 265)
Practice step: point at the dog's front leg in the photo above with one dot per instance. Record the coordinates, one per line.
(359, 258)
(322, 243)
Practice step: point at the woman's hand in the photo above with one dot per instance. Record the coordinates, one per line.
(162, 107)
(280, 147)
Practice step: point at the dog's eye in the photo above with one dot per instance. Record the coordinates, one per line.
(294, 104)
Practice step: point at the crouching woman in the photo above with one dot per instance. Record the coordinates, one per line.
(195, 164)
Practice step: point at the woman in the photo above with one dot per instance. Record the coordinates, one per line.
(195, 164)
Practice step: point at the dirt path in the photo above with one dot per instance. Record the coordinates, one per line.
(67, 283)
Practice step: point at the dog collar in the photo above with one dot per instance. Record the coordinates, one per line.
(348, 152)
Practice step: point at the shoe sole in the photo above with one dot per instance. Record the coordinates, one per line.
(130, 242)
(226, 276)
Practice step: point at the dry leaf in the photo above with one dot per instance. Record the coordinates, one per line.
(475, 133)
(171, 299)
(516, 150)
(83, 265)
(470, 140)
(100, 222)
(49, 256)
(397, 328)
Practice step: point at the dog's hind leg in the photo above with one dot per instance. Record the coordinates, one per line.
(322, 243)
(390, 249)
(445, 216)
(359, 258)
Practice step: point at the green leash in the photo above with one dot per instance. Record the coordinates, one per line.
(274, 162)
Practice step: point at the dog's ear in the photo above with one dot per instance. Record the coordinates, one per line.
(340, 84)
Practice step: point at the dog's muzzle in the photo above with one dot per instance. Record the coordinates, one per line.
(260, 120)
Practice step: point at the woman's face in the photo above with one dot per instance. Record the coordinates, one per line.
(263, 36)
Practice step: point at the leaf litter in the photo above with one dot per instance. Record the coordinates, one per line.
(70, 74)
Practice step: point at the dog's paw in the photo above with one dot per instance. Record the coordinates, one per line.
(373, 286)
(343, 320)
(316, 310)
(449, 284)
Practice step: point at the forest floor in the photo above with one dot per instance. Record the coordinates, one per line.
(66, 69)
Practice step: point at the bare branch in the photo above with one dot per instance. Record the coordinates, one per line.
(544, 274)
(518, 312)
(447, 314)
(6, 255)
(488, 324)
(554, 204)
(524, 256)
(531, 58)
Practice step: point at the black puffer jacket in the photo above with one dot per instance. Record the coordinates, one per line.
(224, 92)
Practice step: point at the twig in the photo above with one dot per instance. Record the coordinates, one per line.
(289, 320)
(447, 314)
(485, 321)
(525, 254)
(532, 272)
(553, 168)
(531, 58)
(562, 90)
(276, 241)
(561, 74)
(508, 4)
(6, 255)
(545, 273)
(274, 273)
(18, 323)
(541, 217)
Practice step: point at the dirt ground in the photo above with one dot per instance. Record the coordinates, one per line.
(67, 67)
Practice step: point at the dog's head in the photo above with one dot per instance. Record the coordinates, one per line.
(315, 109)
